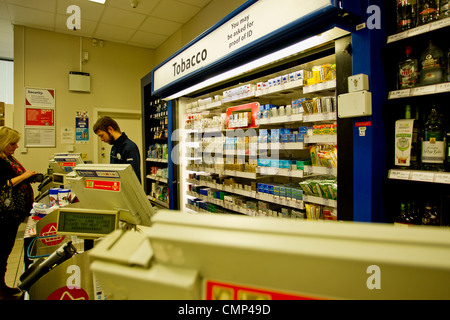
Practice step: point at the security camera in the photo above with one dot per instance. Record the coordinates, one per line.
(134, 3)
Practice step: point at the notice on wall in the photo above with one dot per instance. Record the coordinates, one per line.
(82, 127)
(68, 135)
(40, 137)
(40, 123)
(37, 97)
(40, 117)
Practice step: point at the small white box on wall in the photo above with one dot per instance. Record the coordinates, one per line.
(359, 82)
(355, 104)
(79, 81)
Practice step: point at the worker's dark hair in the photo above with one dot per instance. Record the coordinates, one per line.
(104, 122)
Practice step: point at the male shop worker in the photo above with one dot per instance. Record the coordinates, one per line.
(123, 149)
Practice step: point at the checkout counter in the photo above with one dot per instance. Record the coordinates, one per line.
(177, 255)
(216, 256)
(110, 197)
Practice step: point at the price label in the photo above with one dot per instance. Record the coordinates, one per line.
(440, 24)
(420, 91)
(399, 174)
(418, 30)
(443, 87)
(443, 178)
(399, 94)
(396, 37)
(422, 176)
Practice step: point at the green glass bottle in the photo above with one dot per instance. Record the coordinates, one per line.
(433, 143)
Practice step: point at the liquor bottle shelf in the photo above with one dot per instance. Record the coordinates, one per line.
(420, 175)
(419, 30)
(420, 91)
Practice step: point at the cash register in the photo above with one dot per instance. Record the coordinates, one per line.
(110, 198)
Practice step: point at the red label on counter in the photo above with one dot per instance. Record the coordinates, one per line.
(67, 164)
(66, 293)
(102, 185)
(226, 291)
(47, 232)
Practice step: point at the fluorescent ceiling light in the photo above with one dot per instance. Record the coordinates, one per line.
(99, 1)
(306, 44)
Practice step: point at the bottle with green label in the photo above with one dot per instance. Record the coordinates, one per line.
(433, 143)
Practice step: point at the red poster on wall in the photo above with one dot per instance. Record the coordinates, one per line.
(40, 117)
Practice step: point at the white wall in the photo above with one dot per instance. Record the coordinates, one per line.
(44, 59)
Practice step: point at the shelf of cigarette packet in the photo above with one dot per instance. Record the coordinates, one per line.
(298, 204)
(302, 117)
(262, 171)
(420, 91)
(419, 175)
(160, 179)
(267, 92)
(288, 202)
(158, 202)
(419, 30)
(157, 160)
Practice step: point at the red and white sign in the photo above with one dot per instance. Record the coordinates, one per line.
(102, 185)
(67, 164)
(226, 291)
(37, 97)
(65, 293)
(40, 117)
(49, 230)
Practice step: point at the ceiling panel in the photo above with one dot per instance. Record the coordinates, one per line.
(148, 40)
(31, 17)
(144, 6)
(113, 33)
(45, 5)
(148, 25)
(160, 26)
(122, 18)
(175, 11)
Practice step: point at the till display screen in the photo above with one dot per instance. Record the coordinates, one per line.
(87, 223)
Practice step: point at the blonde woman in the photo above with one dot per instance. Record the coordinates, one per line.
(12, 173)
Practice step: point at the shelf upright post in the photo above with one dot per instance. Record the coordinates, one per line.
(369, 148)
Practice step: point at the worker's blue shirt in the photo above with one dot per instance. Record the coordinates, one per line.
(125, 151)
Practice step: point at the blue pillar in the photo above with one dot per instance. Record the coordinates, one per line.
(369, 149)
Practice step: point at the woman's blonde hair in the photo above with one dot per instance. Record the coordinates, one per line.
(7, 136)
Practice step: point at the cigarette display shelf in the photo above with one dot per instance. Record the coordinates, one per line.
(200, 113)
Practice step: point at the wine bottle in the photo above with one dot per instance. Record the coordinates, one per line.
(433, 143)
